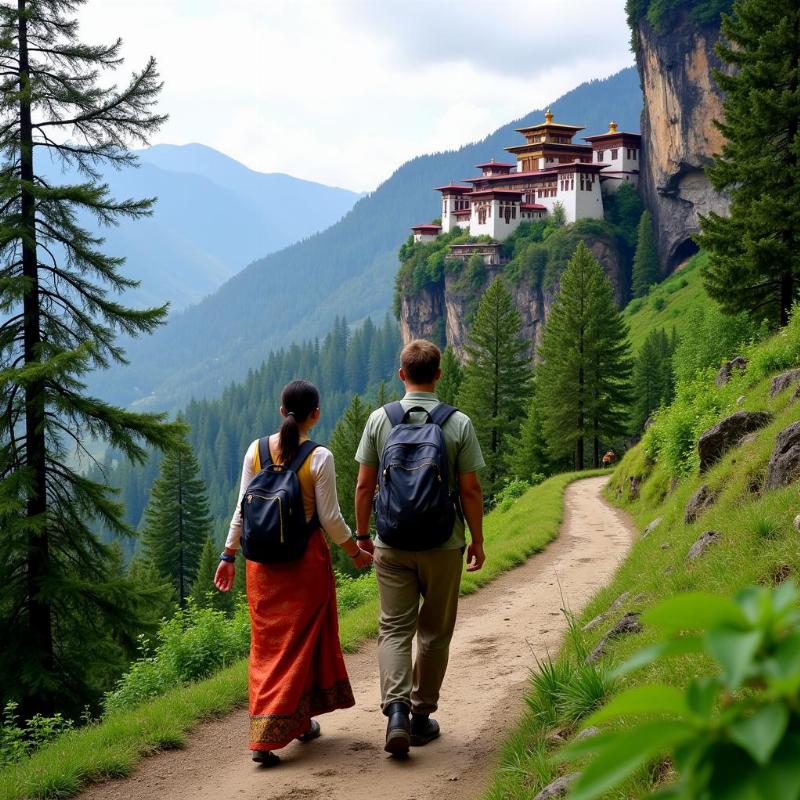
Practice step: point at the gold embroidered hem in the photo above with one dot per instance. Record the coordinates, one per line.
(272, 731)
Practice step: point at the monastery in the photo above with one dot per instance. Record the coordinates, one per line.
(550, 168)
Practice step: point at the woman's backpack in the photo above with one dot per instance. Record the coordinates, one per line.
(414, 509)
(274, 527)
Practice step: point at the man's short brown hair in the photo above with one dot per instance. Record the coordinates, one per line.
(420, 361)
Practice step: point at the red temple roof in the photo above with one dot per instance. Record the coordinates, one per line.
(612, 135)
(495, 164)
(426, 228)
(502, 192)
(533, 207)
(452, 187)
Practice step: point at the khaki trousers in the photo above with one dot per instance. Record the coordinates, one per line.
(403, 578)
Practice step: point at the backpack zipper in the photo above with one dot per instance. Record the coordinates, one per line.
(271, 498)
(413, 469)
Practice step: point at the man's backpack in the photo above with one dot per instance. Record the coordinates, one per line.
(274, 527)
(414, 509)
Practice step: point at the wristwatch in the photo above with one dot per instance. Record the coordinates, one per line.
(363, 537)
(223, 556)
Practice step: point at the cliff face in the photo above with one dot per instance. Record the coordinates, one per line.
(442, 312)
(681, 102)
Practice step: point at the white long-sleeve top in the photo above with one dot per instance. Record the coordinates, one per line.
(323, 470)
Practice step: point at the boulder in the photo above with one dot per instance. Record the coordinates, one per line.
(784, 381)
(651, 527)
(702, 544)
(727, 433)
(784, 463)
(628, 624)
(702, 499)
(558, 788)
(594, 622)
(726, 371)
(587, 733)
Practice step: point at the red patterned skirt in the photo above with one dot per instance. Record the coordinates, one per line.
(297, 670)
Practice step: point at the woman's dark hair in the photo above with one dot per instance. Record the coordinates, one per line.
(299, 400)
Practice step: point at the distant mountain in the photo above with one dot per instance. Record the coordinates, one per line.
(348, 269)
(213, 217)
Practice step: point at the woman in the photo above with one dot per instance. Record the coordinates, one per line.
(297, 670)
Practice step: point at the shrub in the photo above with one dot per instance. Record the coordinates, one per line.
(734, 734)
(18, 740)
(193, 644)
(659, 303)
(510, 493)
(352, 592)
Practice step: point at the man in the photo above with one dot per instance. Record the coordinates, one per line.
(405, 576)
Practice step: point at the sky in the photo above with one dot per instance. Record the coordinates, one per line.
(344, 91)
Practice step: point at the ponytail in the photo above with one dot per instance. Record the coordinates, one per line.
(299, 400)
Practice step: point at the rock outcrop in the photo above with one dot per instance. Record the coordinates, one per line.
(443, 311)
(727, 433)
(627, 625)
(679, 138)
(726, 370)
(701, 500)
(784, 463)
(702, 544)
(784, 381)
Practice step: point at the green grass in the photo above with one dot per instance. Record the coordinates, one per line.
(759, 545)
(680, 293)
(114, 746)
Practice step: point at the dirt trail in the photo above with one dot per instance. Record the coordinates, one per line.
(499, 630)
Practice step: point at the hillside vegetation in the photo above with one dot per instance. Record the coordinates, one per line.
(348, 270)
(755, 543)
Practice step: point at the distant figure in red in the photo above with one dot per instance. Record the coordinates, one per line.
(609, 458)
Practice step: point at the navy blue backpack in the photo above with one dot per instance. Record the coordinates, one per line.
(414, 508)
(274, 527)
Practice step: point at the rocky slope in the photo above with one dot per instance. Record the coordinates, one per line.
(443, 311)
(681, 102)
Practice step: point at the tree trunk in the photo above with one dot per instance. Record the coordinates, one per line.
(38, 553)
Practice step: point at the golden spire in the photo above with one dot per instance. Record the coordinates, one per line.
(612, 127)
(548, 116)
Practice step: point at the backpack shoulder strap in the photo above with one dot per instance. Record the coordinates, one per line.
(395, 412)
(441, 413)
(303, 452)
(264, 455)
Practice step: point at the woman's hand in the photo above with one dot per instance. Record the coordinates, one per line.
(362, 560)
(226, 572)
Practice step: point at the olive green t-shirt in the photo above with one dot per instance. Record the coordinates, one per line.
(463, 451)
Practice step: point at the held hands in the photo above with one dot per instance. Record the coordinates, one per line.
(475, 556)
(223, 579)
(363, 559)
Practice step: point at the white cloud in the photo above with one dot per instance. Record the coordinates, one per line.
(344, 91)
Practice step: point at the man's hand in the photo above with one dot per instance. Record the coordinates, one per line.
(475, 556)
(366, 544)
(226, 572)
(363, 559)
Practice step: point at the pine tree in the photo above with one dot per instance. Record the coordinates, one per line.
(448, 387)
(204, 593)
(754, 253)
(177, 520)
(343, 444)
(528, 456)
(645, 262)
(497, 378)
(60, 316)
(653, 377)
(583, 381)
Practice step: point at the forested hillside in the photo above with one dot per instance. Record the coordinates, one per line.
(213, 217)
(349, 269)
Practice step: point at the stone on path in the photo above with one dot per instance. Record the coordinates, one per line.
(651, 527)
(558, 788)
(628, 624)
(702, 544)
(784, 381)
(701, 500)
(727, 433)
(784, 463)
(726, 371)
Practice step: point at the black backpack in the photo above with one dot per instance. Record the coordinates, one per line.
(274, 527)
(414, 509)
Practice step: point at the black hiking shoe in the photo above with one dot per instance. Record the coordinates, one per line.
(398, 730)
(423, 730)
(314, 731)
(266, 758)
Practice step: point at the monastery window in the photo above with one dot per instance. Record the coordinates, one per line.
(614, 154)
(599, 155)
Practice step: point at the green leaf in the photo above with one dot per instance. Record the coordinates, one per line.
(585, 747)
(641, 700)
(645, 656)
(734, 649)
(780, 779)
(630, 750)
(695, 611)
(760, 734)
(783, 669)
(701, 694)
(785, 597)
